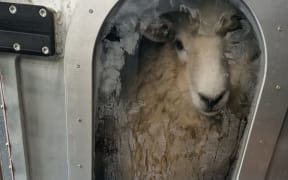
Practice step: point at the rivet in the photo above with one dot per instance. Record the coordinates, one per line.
(43, 12)
(12, 9)
(79, 165)
(45, 50)
(17, 46)
(279, 28)
(277, 87)
(91, 11)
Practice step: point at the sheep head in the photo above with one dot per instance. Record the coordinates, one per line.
(198, 42)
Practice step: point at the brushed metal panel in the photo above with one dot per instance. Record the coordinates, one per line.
(12, 94)
(278, 167)
(83, 31)
(42, 86)
(272, 105)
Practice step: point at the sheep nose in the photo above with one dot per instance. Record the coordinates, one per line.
(211, 102)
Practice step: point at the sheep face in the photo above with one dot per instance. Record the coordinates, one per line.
(199, 48)
(206, 70)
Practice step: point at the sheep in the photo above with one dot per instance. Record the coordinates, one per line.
(190, 100)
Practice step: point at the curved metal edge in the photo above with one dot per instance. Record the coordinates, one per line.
(248, 11)
(271, 104)
(78, 60)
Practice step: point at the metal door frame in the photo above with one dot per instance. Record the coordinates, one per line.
(78, 61)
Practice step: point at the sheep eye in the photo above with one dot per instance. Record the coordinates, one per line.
(178, 45)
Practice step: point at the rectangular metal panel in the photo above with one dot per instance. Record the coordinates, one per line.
(12, 95)
(42, 87)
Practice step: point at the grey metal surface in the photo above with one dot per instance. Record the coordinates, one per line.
(4, 155)
(9, 69)
(270, 110)
(278, 167)
(42, 88)
(86, 22)
(35, 101)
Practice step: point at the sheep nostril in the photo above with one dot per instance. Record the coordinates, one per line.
(211, 102)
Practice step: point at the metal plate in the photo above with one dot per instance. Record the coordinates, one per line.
(26, 29)
(10, 71)
(78, 84)
(279, 163)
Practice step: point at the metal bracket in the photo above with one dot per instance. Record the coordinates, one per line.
(26, 29)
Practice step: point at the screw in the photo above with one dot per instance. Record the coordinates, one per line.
(17, 46)
(79, 120)
(79, 165)
(43, 12)
(277, 87)
(12, 9)
(45, 50)
(91, 11)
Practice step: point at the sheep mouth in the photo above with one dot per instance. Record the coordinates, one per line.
(210, 113)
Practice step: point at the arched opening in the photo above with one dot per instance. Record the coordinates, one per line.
(174, 88)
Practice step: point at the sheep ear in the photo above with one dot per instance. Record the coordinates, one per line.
(193, 16)
(157, 30)
(228, 23)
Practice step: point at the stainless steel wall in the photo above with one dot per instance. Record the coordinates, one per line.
(35, 101)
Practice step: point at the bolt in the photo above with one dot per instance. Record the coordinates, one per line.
(12, 9)
(17, 46)
(45, 50)
(43, 12)
(91, 11)
(277, 87)
(79, 165)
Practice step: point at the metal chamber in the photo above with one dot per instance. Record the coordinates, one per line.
(50, 103)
